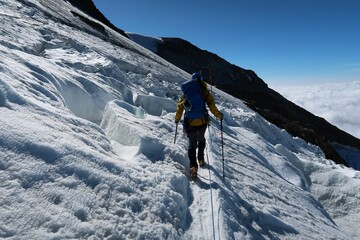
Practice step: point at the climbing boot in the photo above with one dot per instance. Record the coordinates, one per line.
(193, 173)
(201, 162)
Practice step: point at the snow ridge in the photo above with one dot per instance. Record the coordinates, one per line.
(86, 148)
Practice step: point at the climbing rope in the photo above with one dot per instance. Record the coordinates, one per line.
(210, 183)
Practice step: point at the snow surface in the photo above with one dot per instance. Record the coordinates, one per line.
(147, 42)
(87, 147)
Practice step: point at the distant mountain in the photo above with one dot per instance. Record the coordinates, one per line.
(246, 85)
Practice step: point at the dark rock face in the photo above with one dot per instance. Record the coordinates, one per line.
(88, 7)
(224, 75)
(246, 85)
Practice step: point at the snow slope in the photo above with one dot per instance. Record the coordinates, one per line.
(147, 42)
(87, 147)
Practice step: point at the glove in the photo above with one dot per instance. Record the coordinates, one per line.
(176, 122)
(221, 116)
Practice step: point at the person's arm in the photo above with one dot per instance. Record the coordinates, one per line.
(179, 111)
(211, 102)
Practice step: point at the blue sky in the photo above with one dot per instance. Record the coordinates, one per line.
(286, 42)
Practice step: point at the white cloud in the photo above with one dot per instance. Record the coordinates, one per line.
(338, 103)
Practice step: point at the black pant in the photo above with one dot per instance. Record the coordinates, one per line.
(196, 136)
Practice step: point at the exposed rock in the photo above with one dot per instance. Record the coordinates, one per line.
(88, 7)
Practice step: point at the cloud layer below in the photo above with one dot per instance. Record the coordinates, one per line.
(338, 103)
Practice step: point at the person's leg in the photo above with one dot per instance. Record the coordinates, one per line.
(201, 144)
(192, 145)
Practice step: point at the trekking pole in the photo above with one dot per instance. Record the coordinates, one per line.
(175, 132)
(210, 78)
(222, 147)
(211, 83)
